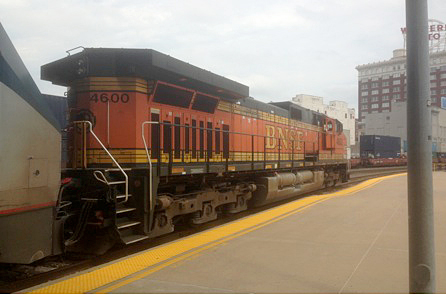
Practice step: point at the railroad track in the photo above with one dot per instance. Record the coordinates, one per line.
(360, 173)
(14, 278)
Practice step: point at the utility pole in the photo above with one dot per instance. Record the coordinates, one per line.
(419, 137)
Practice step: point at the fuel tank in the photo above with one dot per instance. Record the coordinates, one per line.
(285, 185)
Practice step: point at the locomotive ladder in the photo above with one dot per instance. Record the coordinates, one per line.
(128, 227)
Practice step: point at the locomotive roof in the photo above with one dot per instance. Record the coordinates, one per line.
(143, 63)
(303, 114)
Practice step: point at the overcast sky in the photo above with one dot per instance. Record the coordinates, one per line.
(278, 48)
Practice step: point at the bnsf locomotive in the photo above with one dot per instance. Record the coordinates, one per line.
(154, 142)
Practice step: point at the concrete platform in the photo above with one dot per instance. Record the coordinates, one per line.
(353, 241)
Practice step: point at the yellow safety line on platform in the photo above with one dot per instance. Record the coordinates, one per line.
(116, 274)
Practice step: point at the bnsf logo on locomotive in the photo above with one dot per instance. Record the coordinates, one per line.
(286, 135)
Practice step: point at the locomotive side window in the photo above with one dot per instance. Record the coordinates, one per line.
(339, 126)
(225, 141)
(204, 103)
(155, 138)
(177, 137)
(194, 138)
(167, 139)
(172, 96)
(209, 139)
(201, 139)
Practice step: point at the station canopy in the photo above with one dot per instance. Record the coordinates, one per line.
(141, 63)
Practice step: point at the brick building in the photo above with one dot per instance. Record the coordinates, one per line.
(382, 83)
(382, 95)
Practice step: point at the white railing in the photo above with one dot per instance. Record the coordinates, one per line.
(98, 174)
(149, 160)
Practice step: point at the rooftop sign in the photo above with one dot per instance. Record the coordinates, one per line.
(436, 35)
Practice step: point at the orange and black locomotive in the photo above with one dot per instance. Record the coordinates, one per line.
(155, 141)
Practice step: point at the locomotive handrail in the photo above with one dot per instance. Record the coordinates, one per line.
(111, 157)
(281, 151)
(230, 132)
(150, 164)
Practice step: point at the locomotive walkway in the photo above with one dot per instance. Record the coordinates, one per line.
(351, 241)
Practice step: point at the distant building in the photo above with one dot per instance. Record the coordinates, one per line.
(393, 123)
(382, 91)
(381, 84)
(335, 109)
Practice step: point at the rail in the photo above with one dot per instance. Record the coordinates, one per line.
(189, 144)
(101, 176)
(174, 143)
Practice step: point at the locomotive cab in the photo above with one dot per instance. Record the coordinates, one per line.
(328, 139)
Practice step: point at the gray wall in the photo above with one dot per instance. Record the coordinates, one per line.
(394, 124)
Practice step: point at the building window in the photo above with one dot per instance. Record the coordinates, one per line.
(365, 100)
(433, 91)
(364, 93)
(442, 76)
(385, 97)
(385, 105)
(364, 107)
(443, 83)
(385, 83)
(396, 89)
(374, 85)
(396, 96)
(364, 86)
(374, 98)
(443, 91)
(396, 82)
(386, 90)
(375, 92)
(397, 75)
(374, 105)
(433, 84)
(434, 99)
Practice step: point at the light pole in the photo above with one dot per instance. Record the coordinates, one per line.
(419, 137)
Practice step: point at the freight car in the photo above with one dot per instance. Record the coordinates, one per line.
(379, 146)
(154, 142)
(379, 151)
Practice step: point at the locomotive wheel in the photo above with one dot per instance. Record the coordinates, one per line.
(330, 183)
